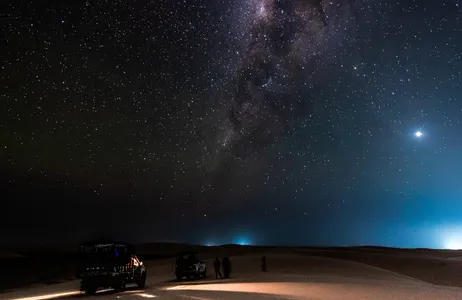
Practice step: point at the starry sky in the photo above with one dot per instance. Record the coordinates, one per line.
(282, 122)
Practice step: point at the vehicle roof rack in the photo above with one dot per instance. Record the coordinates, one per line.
(104, 244)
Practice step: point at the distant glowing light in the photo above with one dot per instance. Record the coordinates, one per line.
(453, 245)
(243, 241)
(450, 237)
(418, 133)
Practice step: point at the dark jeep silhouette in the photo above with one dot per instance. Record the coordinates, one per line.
(109, 264)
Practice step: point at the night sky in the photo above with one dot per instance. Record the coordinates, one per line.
(302, 122)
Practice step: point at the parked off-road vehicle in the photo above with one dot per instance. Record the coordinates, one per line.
(188, 265)
(104, 265)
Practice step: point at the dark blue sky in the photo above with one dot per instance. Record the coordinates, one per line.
(268, 121)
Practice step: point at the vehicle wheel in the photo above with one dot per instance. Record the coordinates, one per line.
(142, 281)
(90, 290)
(120, 286)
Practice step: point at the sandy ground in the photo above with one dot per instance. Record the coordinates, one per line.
(435, 266)
(290, 276)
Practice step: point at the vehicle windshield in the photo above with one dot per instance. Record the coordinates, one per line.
(188, 258)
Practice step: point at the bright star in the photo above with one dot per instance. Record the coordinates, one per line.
(418, 133)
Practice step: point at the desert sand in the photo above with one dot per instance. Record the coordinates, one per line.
(293, 273)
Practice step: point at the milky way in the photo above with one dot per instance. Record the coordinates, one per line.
(267, 91)
(295, 112)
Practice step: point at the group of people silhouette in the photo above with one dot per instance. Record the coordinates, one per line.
(226, 263)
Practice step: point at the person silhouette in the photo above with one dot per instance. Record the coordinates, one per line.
(263, 263)
(226, 267)
(217, 266)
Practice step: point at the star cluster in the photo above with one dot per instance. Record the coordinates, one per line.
(263, 110)
(268, 90)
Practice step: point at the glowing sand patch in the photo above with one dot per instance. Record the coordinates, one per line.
(145, 295)
(51, 296)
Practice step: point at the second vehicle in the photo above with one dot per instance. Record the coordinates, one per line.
(188, 265)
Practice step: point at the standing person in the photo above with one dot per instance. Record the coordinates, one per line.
(263, 263)
(229, 267)
(226, 267)
(217, 266)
